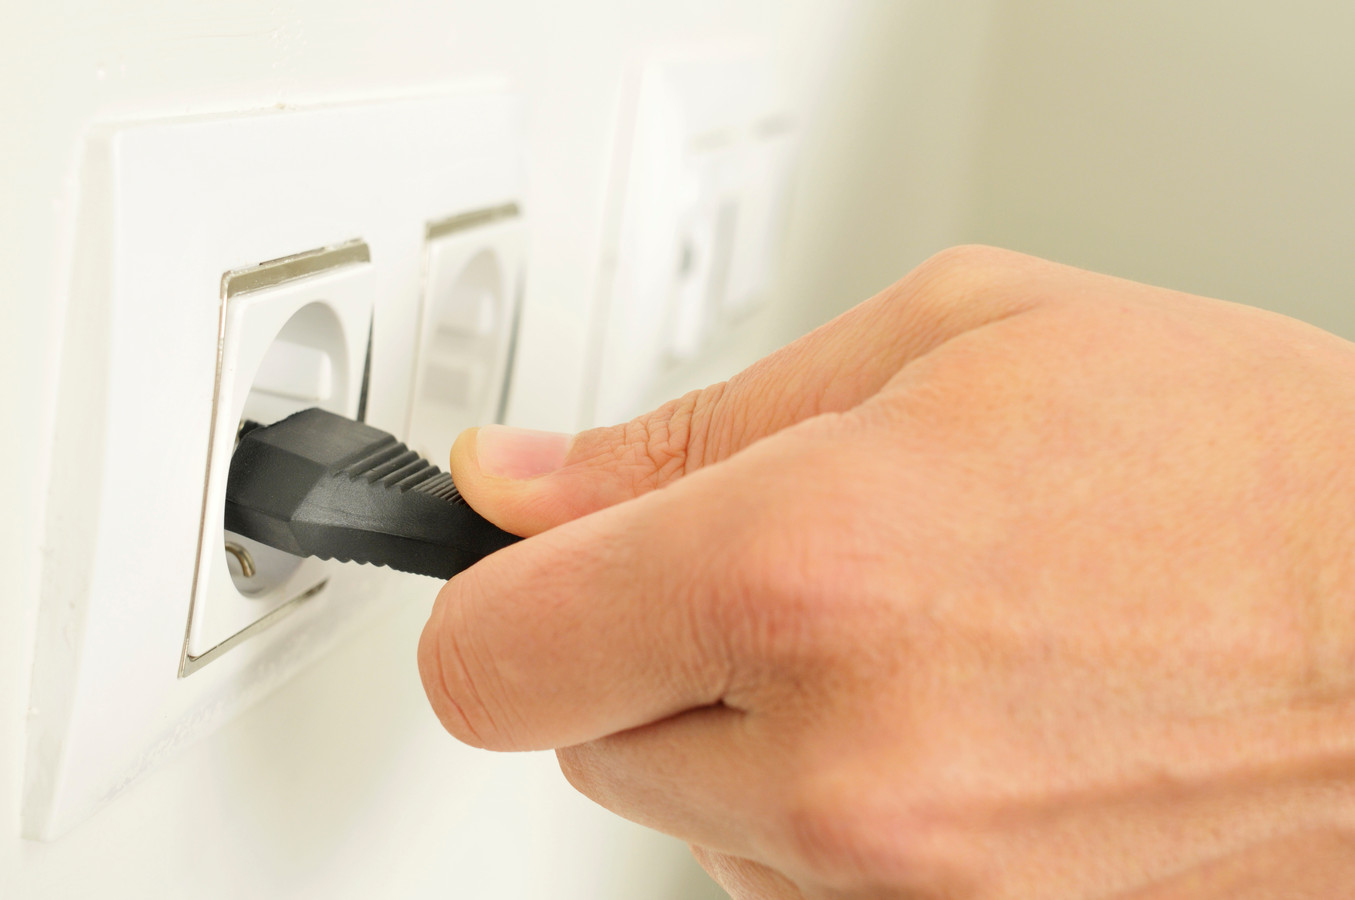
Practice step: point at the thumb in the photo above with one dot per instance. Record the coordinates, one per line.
(529, 481)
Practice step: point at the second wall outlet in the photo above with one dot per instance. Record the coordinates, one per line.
(472, 283)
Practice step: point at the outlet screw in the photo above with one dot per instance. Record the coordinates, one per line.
(242, 557)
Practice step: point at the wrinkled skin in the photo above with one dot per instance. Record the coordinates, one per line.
(1015, 581)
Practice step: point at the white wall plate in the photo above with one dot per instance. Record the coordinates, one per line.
(699, 213)
(167, 209)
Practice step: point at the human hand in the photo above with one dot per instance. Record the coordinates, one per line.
(1015, 581)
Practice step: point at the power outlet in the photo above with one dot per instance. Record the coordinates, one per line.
(471, 291)
(231, 268)
(295, 334)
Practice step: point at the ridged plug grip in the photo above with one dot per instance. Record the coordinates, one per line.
(318, 484)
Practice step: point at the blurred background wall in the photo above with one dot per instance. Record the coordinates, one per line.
(1205, 146)
(1202, 145)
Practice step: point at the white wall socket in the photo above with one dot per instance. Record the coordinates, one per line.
(294, 335)
(225, 268)
(472, 285)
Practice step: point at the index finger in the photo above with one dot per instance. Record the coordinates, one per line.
(602, 624)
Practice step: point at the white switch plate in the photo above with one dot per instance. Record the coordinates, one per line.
(167, 209)
(699, 208)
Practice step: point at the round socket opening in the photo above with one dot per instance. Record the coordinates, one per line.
(465, 335)
(306, 365)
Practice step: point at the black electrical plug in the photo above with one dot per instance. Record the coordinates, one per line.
(318, 484)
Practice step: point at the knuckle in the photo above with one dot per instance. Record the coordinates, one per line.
(966, 266)
(744, 879)
(704, 856)
(827, 838)
(455, 681)
(963, 287)
(671, 441)
(849, 840)
(573, 765)
(951, 293)
(584, 770)
(658, 447)
(799, 586)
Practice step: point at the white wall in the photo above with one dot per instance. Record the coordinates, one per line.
(1205, 145)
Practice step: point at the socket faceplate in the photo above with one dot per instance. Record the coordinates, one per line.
(167, 207)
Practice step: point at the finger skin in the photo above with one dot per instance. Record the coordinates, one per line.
(743, 878)
(829, 370)
(1302, 864)
(521, 651)
(637, 612)
(602, 624)
(661, 776)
